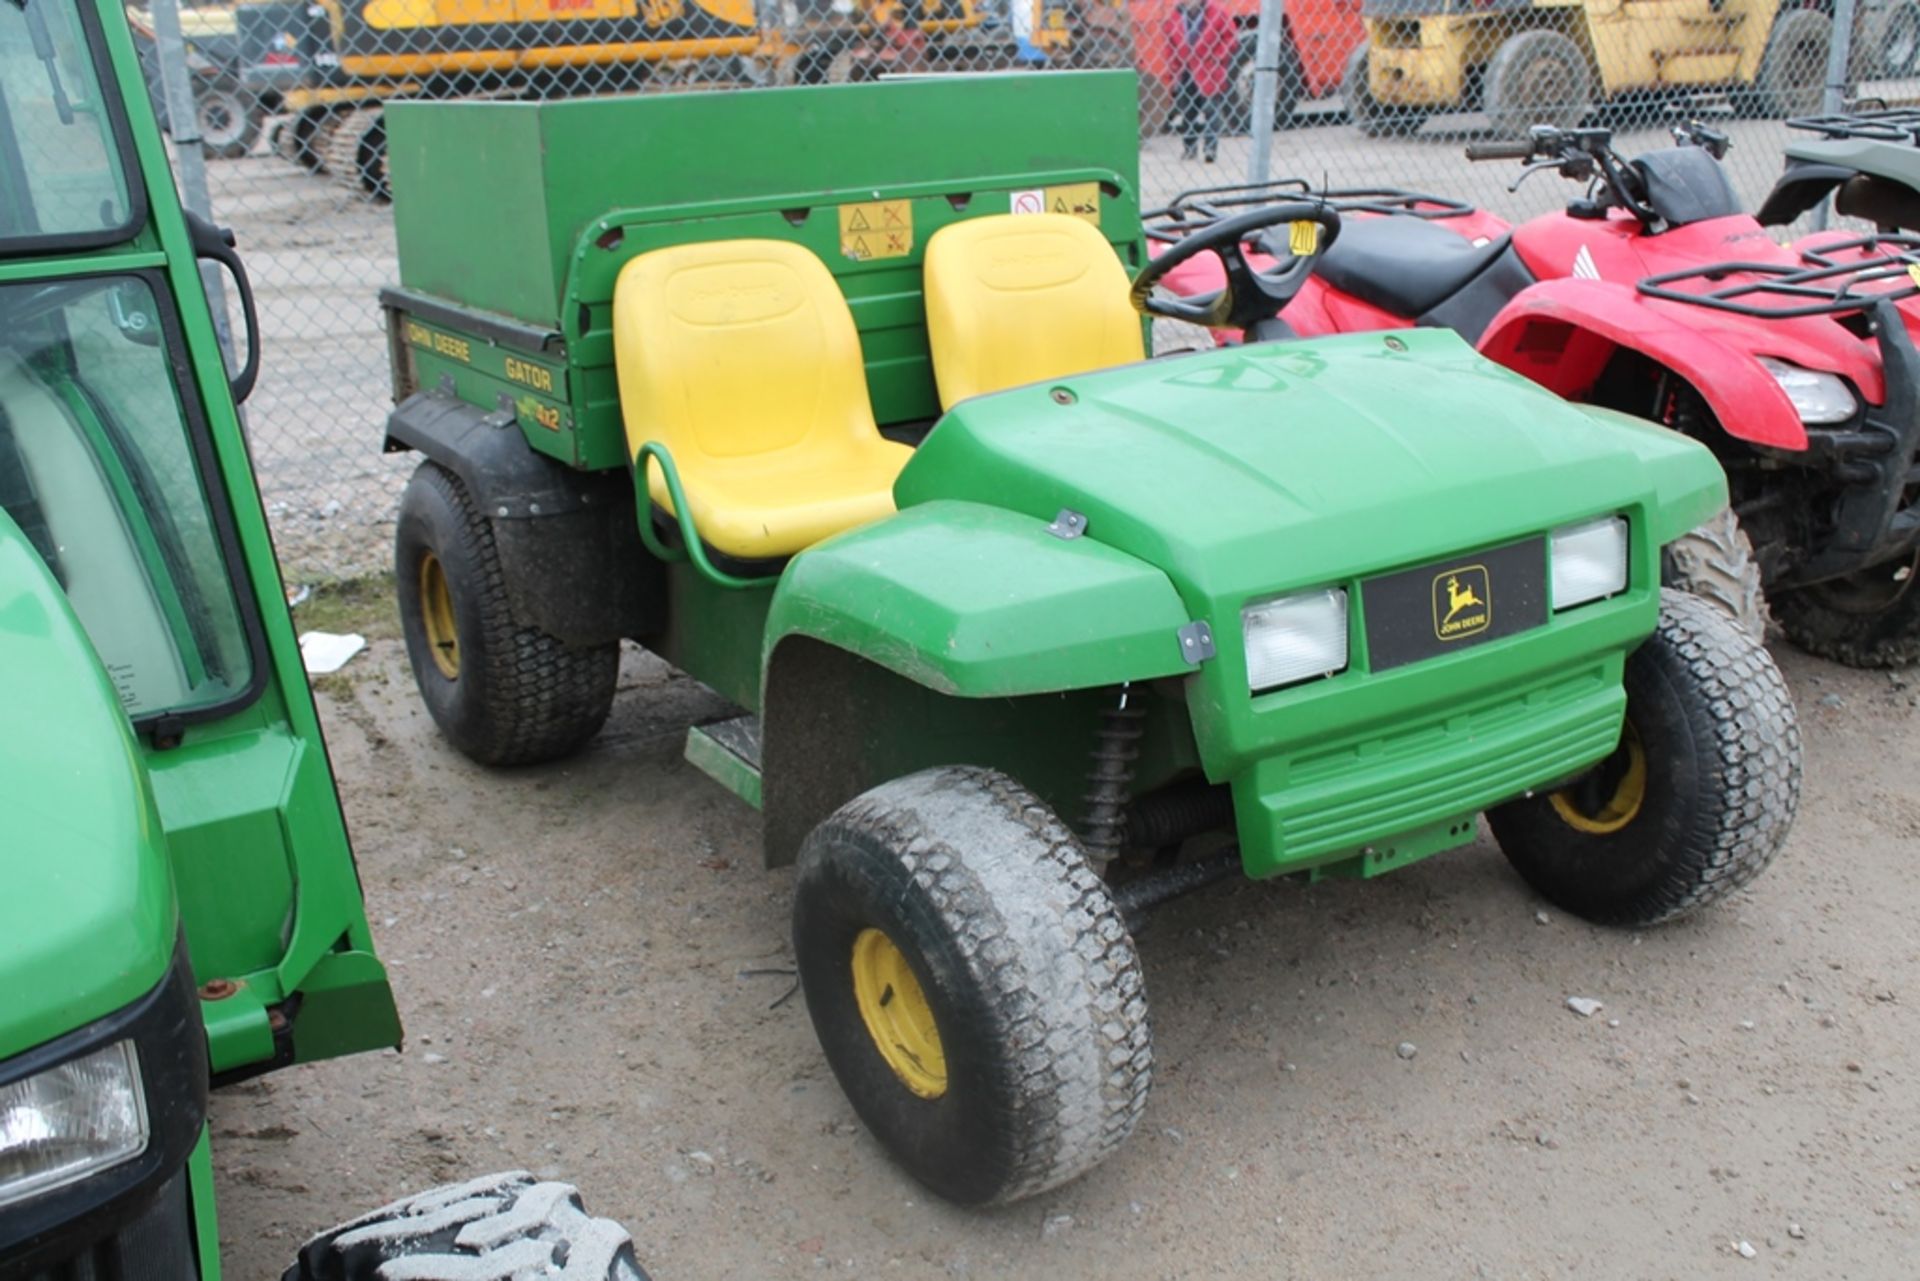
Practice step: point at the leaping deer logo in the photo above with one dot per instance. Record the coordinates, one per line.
(1459, 598)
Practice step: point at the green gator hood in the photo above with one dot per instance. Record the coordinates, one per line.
(1254, 469)
(87, 913)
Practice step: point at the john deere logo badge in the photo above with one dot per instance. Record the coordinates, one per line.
(1462, 603)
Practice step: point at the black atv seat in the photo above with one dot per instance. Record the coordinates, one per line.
(1402, 264)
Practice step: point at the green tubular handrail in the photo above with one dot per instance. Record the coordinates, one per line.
(692, 549)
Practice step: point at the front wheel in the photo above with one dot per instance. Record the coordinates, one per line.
(1715, 561)
(1696, 800)
(1867, 619)
(229, 119)
(503, 692)
(972, 984)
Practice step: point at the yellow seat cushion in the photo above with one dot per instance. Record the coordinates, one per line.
(1019, 299)
(740, 357)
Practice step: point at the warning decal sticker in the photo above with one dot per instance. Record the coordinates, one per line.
(876, 229)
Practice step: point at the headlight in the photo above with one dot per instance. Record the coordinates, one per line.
(1295, 638)
(71, 1121)
(1817, 397)
(1589, 561)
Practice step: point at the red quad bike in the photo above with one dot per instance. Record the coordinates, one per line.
(1655, 294)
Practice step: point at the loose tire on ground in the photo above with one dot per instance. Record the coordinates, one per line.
(229, 118)
(502, 692)
(972, 984)
(1793, 74)
(1372, 117)
(1716, 563)
(499, 1226)
(1698, 798)
(1867, 619)
(1537, 78)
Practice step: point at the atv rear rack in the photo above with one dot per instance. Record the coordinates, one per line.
(1203, 206)
(1826, 285)
(1895, 124)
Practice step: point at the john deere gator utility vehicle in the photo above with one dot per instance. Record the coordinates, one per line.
(996, 666)
(1528, 62)
(180, 906)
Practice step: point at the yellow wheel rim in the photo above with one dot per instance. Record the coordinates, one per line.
(897, 1015)
(436, 615)
(1622, 782)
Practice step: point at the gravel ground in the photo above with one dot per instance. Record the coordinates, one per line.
(572, 948)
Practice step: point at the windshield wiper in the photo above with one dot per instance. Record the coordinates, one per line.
(43, 50)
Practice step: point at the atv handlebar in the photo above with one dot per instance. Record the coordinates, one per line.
(1500, 150)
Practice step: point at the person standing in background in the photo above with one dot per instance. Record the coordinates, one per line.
(1200, 46)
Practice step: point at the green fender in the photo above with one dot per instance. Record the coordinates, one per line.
(1688, 490)
(980, 602)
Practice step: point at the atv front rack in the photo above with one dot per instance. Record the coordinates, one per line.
(1192, 210)
(1829, 283)
(1895, 124)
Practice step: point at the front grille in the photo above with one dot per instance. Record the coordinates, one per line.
(156, 1245)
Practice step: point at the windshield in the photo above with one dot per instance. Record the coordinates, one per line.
(61, 180)
(98, 467)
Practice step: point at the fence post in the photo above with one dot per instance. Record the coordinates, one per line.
(183, 124)
(1266, 86)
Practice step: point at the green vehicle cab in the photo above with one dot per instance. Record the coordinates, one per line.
(847, 412)
(180, 904)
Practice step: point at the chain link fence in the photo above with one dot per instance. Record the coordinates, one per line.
(1364, 93)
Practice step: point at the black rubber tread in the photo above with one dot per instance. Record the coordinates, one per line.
(1815, 619)
(1723, 757)
(1368, 114)
(501, 1227)
(522, 696)
(1715, 562)
(1797, 33)
(1290, 83)
(1032, 976)
(1515, 55)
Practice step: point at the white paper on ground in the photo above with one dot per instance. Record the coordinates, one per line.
(325, 652)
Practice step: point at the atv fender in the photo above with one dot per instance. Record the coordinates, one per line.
(1561, 333)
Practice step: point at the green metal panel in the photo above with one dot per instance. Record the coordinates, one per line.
(978, 601)
(88, 913)
(620, 177)
(491, 197)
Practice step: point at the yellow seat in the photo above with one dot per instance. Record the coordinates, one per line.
(740, 357)
(1019, 299)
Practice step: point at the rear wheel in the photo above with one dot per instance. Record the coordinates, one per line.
(503, 692)
(1372, 117)
(1793, 74)
(972, 984)
(502, 1225)
(1867, 619)
(1696, 800)
(1537, 78)
(1715, 562)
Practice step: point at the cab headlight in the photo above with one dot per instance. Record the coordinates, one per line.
(1589, 561)
(1818, 398)
(1295, 638)
(70, 1121)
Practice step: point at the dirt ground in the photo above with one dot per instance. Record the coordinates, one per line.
(580, 954)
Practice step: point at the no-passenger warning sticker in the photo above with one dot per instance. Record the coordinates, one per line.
(876, 229)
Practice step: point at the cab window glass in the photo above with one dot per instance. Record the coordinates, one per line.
(60, 171)
(98, 468)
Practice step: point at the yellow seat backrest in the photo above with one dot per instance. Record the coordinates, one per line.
(740, 357)
(1018, 299)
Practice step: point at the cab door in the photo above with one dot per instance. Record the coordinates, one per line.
(122, 461)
